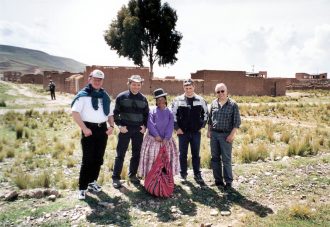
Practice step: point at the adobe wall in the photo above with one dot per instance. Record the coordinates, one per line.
(238, 83)
(32, 78)
(58, 79)
(174, 87)
(116, 78)
(74, 83)
(12, 76)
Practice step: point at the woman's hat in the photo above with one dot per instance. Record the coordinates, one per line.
(159, 92)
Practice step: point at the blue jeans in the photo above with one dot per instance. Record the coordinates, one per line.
(221, 157)
(194, 139)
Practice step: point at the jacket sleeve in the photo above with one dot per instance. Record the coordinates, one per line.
(174, 108)
(116, 112)
(169, 129)
(205, 113)
(152, 125)
(146, 113)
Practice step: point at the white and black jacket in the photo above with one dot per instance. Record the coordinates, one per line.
(189, 118)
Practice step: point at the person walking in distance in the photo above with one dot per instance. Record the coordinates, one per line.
(131, 116)
(190, 116)
(91, 111)
(51, 87)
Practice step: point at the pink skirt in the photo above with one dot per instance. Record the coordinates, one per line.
(149, 151)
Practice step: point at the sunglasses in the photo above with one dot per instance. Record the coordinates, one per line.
(222, 91)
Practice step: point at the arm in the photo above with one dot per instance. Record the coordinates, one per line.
(81, 124)
(145, 117)
(111, 125)
(152, 125)
(205, 113)
(236, 124)
(170, 127)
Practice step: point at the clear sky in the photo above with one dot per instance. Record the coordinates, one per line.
(280, 36)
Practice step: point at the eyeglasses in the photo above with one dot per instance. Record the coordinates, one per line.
(222, 91)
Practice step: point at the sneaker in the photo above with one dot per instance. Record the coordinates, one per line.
(219, 184)
(228, 186)
(82, 194)
(198, 178)
(116, 183)
(183, 179)
(94, 187)
(134, 180)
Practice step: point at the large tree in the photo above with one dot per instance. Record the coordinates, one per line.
(145, 28)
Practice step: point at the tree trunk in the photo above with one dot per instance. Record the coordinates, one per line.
(151, 71)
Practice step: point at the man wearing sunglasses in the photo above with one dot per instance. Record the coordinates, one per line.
(224, 120)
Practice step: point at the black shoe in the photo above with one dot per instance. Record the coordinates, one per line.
(228, 186)
(183, 178)
(116, 183)
(199, 180)
(219, 184)
(134, 180)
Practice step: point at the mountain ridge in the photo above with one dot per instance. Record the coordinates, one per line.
(27, 60)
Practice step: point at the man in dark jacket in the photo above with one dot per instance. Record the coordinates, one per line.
(190, 115)
(131, 116)
(51, 87)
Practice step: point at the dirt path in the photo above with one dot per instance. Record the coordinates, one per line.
(32, 98)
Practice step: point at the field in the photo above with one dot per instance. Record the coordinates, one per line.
(281, 168)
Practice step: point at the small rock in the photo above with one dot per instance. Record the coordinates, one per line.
(52, 198)
(285, 158)
(268, 173)
(214, 212)
(225, 213)
(11, 196)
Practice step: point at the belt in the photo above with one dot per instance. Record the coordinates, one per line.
(219, 130)
(91, 124)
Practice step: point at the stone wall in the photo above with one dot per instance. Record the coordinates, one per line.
(32, 78)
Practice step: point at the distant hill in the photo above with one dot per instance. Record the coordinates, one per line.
(31, 61)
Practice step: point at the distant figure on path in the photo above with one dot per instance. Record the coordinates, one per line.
(224, 120)
(91, 111)
(51, 87)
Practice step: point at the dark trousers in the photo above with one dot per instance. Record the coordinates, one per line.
(123, 141)
(52, 94)
(221, 157)
(194, 139)
(93, 148)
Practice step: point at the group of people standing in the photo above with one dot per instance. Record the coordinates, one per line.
(189, 113)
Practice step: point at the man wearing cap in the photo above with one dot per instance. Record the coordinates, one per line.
(91, 111)
(190, 115)
(131, 116)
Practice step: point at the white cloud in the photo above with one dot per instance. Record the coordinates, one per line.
(274, 35)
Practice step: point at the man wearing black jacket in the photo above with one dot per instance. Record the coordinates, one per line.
(190, 115)
(131, 116)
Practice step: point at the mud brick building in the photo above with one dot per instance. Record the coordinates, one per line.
(32, 78)
(12, 76)
(240, 83)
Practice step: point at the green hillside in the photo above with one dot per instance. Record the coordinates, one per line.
(29, 61)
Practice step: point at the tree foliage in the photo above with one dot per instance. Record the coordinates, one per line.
(145, 28)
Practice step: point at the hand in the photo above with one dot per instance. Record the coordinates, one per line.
(87, 132)
(230, 138)
(143, 129)
(109, 131)
(179, 131)
(123, 129)
(158, 139)
(208, 134)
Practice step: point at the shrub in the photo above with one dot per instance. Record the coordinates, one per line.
(22, 180)
(42, 180)
(2, 103)
(300, 211)
(19, 131)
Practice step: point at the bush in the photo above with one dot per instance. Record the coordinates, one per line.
(300, 211)
(2, 103)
